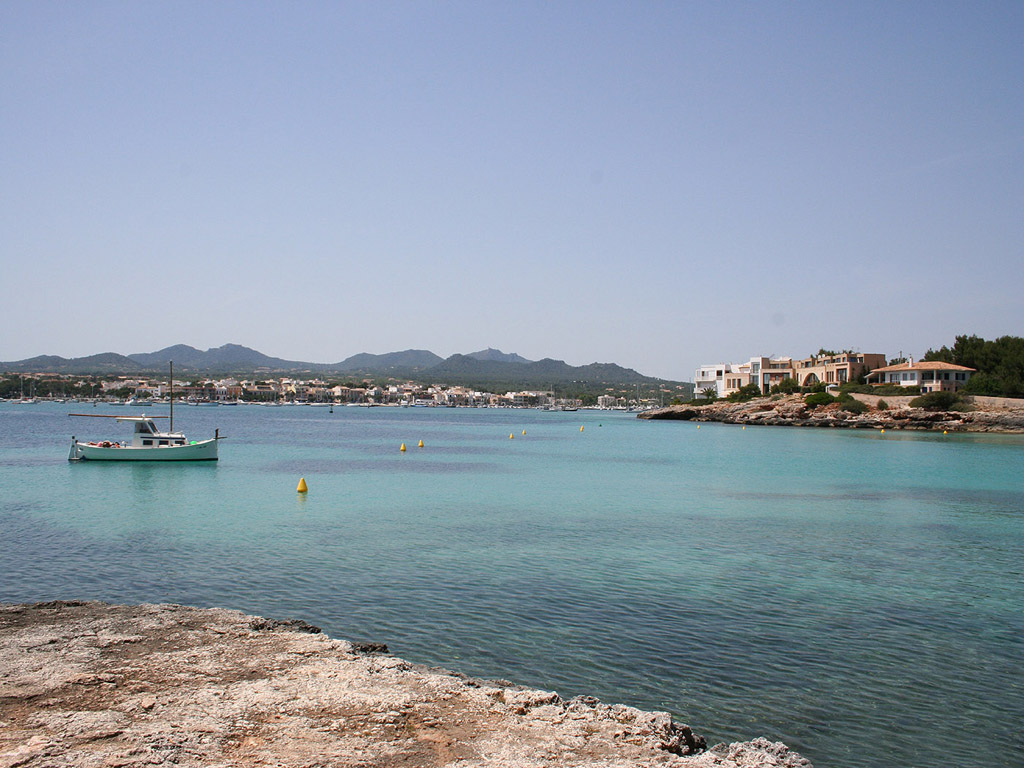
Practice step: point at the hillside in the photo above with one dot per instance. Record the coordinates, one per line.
(485, 369)
(407, 360)
(228, 357)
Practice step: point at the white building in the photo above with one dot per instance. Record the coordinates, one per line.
(931, 376)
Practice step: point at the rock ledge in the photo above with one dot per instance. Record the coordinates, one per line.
(791, 411)
(92, 684)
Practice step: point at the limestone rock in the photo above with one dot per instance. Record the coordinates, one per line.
(91, 684)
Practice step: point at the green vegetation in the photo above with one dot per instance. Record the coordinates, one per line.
(710, 394)
(743, 394)
(786, 386)
(882, 405)
(936, 401)
(80, 386)
(848, 402)
(999, 364)
(816, 399)
(879, 389)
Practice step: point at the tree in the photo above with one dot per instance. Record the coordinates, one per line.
(999, 363)
(786, 386)
(709, 393)
(748, 392)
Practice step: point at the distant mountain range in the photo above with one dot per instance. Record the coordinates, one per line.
(486, 367)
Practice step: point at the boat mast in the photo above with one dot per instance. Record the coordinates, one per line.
(172, 396)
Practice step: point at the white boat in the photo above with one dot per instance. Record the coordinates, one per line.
(147, 444)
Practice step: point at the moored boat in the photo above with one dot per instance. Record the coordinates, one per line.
(147, 444)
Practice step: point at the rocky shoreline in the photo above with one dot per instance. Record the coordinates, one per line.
(93, 684)
(791, 411)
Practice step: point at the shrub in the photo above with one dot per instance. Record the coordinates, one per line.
(749, 392)
(882, 405)
(786, 386)
(935, 401)
(818, 398)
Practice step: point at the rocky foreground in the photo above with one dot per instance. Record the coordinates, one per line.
(91, 684)
(791, 411)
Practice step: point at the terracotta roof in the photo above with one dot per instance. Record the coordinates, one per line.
(931, 365)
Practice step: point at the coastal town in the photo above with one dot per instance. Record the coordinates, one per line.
(125, 390)
(758, 375)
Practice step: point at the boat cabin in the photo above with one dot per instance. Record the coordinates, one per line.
(146, 435)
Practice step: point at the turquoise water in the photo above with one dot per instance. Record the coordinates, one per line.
(856, 595)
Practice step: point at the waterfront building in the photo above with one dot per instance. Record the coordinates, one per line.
(836, 369)
(766, 372)
(717, 378)
(930, 376)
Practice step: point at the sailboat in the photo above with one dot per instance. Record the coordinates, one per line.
(147, 442)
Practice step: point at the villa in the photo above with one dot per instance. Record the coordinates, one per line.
(932, 376)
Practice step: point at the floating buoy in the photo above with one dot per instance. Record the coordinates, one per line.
(945, 432)
(744, 426)
(524, 431)
(581, 429)
(402, 449)
(302, 486)
(698, 426)
(883, 431)
(511, 436)
(421, 444)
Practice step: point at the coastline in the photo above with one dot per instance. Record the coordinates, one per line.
(791, 411)
(89, 683)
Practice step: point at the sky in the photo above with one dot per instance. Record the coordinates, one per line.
(658, 184)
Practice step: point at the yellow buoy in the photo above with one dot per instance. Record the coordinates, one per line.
(511, 436)
(581, 429)
(302, 486)
(402, 449)
(883, 431)
(524, 431)
(421, 443)
(698, 426)
(744, 426)
(945, 432)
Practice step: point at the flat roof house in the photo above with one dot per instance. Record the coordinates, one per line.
(836, 369)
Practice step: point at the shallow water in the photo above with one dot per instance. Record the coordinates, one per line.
(855, 595)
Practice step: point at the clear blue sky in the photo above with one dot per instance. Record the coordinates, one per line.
(655, 184)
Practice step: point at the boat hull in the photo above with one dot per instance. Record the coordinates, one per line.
(205, 450)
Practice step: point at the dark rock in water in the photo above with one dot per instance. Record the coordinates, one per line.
(683, 741)
(369, 648)
(259, 624)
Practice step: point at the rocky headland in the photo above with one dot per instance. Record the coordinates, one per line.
(92, 684)
(791, 411)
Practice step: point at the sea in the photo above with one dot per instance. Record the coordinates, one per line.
(856, 595)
